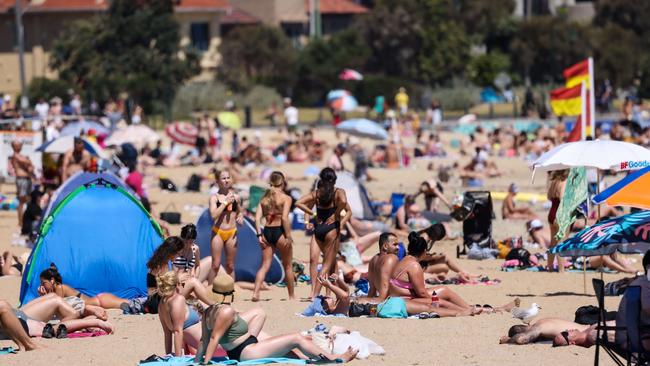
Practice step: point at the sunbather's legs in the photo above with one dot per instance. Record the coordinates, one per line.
(368, 240)
(611, 263)
(529, 336)
(45, 307)
(314, 253)
(281, 345)
(11, 326)
(445, 293)
(73, 325)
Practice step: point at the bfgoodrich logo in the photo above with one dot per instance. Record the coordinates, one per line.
(629, 165)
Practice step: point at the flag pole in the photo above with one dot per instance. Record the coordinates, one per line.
(583, 121)
(592, 100)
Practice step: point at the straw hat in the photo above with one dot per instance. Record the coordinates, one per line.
(223, 289)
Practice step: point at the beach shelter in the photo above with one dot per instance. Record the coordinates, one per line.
(629, 191)
(100, 238)
(626, 234)
(249, 254)
(357, 196)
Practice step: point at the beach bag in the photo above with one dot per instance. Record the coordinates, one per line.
(520, 254)
(150, 306)
(172, 217)
(588, 315)
(194, 183)
(393, 307)
(167, 185)
(617, 288)
(356, 310)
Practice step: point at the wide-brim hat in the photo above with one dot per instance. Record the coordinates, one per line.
(223, 289)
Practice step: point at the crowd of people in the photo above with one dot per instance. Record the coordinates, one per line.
(194, 300)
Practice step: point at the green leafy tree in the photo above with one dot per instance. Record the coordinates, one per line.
(321, 62)
(633, 15)
(257, 55)
(133, 48)
(545, 46)
(616, 54)
(483, 69)
(487, 22)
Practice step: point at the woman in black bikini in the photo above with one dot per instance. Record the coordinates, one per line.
(327, 223)
(276, 233)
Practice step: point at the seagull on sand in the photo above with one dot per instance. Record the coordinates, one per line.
(526, 314)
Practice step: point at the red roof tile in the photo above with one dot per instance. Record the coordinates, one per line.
(238, 16)
(100, 5)
(339, 7)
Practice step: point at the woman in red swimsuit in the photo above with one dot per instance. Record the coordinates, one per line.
(557, 181)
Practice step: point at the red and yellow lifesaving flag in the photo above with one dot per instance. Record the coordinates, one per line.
(567, 101)
(576, 74)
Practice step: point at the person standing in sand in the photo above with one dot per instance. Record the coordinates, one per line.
(75, 160)
(276, 233)
(557, 181)
(225, 209)
(24, 171)
(330, 202)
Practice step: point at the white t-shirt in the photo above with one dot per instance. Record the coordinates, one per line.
(42, 109)
(291, 115)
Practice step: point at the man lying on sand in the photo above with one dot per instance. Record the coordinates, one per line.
(561, 332)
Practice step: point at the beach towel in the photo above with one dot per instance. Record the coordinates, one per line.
(97, 333)
(7, 350)
(485, 280)
(365, 346)
(189, 360)
(393, 307)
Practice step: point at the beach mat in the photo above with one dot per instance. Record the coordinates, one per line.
(87, 334)
(7, 350)
(189, 360)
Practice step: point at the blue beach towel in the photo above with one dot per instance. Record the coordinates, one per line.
(7, 350)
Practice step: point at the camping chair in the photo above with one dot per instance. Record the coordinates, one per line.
(396, 201)
(255, 194)
(629, 335)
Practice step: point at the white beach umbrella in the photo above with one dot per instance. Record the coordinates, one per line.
(599, 154)
(138, 135)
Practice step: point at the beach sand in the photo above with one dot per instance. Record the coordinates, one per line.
(449, 341)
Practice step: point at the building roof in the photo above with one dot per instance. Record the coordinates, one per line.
(102, 5)
(339, 7)
(235, 15)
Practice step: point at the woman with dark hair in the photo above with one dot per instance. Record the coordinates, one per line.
(169, 255)
(52, 282)
(407, 280)
(328, 220)
(438, 264)
(274, 207)
(189, 258)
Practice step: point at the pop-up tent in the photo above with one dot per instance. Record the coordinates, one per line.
(100, 238)
(249, 254)
(357, 196)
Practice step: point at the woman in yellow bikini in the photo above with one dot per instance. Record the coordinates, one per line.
(225, 209)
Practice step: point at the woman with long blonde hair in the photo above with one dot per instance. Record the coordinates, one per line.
(181, 322)
(274, 207)
(557, 182)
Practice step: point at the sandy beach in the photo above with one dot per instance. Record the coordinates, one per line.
(449, 341)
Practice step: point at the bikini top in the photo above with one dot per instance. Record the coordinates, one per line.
(232, 207)
(325, 213)
(184, 263)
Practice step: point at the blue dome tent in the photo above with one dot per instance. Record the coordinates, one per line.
(249, 254)
(100, 238)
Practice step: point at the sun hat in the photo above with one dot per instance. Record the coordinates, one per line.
(223, 289)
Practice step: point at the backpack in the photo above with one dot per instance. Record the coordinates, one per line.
(588, 315)
(194, 183)
(168, 185)
(520, 254)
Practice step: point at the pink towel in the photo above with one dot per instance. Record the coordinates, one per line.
(97, 333)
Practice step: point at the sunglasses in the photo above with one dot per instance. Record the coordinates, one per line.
(565, 335)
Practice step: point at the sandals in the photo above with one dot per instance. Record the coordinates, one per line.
(322, 360)
(61, 332)
(431, 315)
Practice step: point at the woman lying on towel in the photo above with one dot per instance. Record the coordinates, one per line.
(407, 280)
(51, 282)
(35, 315)
(240, 334)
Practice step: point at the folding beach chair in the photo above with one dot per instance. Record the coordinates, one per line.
(396, 201)
(627, 348)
